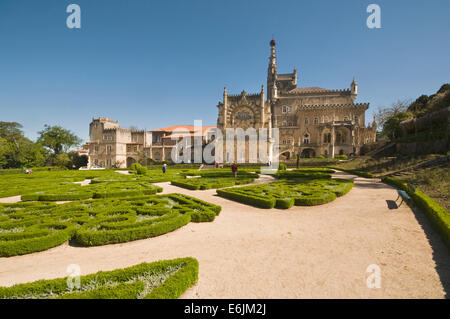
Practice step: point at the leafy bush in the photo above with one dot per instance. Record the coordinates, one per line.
(341, 157)
(135, 166)
(166, 279)
(282, 167)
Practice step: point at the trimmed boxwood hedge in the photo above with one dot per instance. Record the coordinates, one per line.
(438, 215)
(127, 283)
(30, 227)
(288, 192)
(213, 179)
(95, 190)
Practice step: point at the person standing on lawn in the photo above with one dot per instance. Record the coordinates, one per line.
(298, 161)
(164, 168)
(234, 169)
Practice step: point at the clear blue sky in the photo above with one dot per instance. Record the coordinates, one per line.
(152, 64)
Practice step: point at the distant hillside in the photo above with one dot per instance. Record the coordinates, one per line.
(426, 104)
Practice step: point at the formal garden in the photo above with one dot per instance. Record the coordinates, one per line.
(97, 208)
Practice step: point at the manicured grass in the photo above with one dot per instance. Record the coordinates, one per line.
(166, 279)
(288, 192)
(31, 227)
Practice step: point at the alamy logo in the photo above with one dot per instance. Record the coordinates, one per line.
(374, 279)
(237, 146)
(73, 21)
(73, 280)
(374, 20)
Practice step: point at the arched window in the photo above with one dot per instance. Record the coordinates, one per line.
(326, 119)
(306, 138)
(327, 138)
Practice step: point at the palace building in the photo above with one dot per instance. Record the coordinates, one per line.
(312, 121)
(111, 145)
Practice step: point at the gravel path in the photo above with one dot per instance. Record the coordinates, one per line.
(303, 252)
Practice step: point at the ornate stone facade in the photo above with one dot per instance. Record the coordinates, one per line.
(312, 121)
(113, 146)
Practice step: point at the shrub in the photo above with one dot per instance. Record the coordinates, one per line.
(29, 227)
(145, 280)
(141, 170)
(256, 201)
(286, 193)
(284, 203)
(135, 166)
(282, 167)
(341, 157)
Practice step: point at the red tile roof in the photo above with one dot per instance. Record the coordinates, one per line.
(181, 128)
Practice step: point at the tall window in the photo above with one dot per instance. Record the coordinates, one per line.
(327, 138)
(306, 121)
(316, 121)
(285, 109)
(306, 138)
(326, 119)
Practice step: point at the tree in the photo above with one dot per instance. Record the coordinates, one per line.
(58, 139)
(384, 114)
(391, 127)
(4, 149)
(16, 149)
(77, 160)
(62, 160)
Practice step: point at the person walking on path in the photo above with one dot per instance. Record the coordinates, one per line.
(234, 169)
(164, 168)
(298, 161)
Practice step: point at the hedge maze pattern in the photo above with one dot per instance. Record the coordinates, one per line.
(36, 226)
(288, 192)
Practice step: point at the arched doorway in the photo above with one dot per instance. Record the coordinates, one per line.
(130, 161)
(285, 155)
(308, 153)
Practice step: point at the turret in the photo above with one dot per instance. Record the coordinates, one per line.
(272, 72)
(354, 87)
